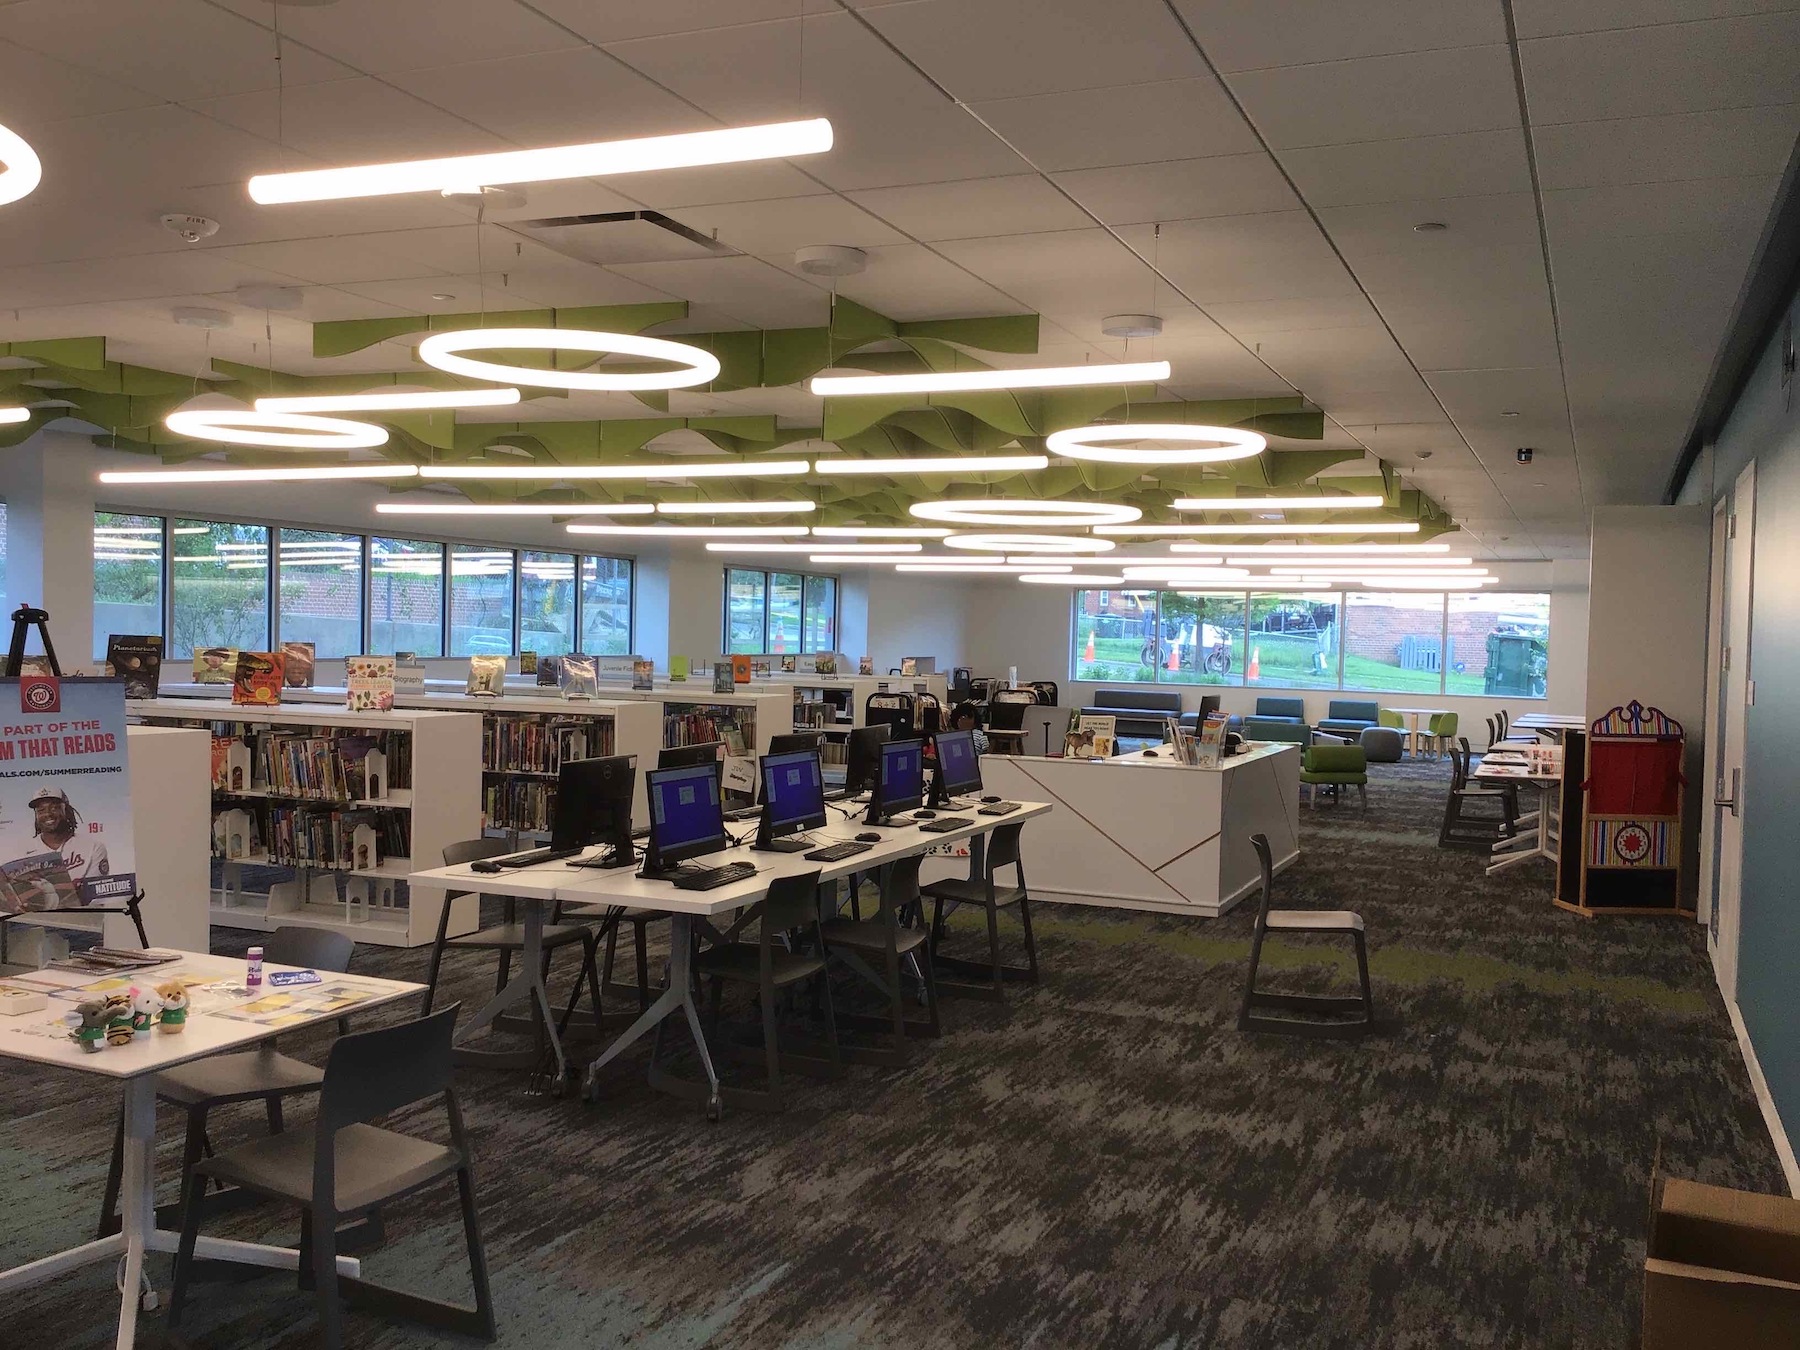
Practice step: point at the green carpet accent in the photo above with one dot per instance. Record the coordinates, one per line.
(1105, 1161)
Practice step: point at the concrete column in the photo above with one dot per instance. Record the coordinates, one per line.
(48, 483)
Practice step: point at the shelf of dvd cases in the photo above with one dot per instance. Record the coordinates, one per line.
(318, 813)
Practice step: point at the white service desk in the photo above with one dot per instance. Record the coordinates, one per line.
(1152, 834)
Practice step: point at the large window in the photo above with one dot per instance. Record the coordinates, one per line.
(787, 612)
(481, 600)
(406, 596)
(128, 576)
(219, 587)
(1401, 642)
(320, 577)
(606, 606)
(547, 603)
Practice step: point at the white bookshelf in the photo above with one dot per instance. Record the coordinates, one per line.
(443, 805)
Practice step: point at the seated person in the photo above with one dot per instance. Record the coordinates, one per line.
(967, 717)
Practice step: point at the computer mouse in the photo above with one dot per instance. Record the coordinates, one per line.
(868, 838)
(1152, 754)
(924, 815)
(990, 799)
(484, 866)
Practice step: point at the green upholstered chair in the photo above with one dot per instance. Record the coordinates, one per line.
(1335, 767)
(1440, 732)
(1386, 717)
(1276, 729)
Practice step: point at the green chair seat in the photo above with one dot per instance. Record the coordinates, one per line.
(1329, 765)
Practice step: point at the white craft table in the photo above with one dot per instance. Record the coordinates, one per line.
(40, 1038)
(1500, 767)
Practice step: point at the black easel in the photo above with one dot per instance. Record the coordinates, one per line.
(24, 618)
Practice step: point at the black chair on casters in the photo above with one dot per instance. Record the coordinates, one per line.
(263, 1074)
(342, 1165)
(1302, 921)
(885, 940)
(792, 903)
(987, 979)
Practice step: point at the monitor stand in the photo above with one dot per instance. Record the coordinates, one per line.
(792, 844)
(671, 873)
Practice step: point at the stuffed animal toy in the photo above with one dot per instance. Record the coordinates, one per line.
(174, 1006)
(146, 1006)
(119, 1028)
(87, 1024)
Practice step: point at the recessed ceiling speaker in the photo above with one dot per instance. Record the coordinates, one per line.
(261, 295)
(198, 316)
(191, 228)
(1131, 325)
(830, 260)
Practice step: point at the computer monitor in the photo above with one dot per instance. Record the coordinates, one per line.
(793, 793)
(687, 816)
(862, 754)
(684, 756)
(899, 780)
(593, 806)
(791, 742)
(958, 766)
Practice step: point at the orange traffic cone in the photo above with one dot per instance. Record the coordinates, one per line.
(1255, 671)
(780, 645)
(1089, 656)
(1175, 656)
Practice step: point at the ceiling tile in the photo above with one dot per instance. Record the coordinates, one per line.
(331, 261)
(910, 281)
(1381, 98)
(1644, 72)
(1298, 32)
(621, 23)
(1719, 143)
(1542, 18)
(1474, 223)
(1081, 271)
(1728, 206)
(1183, 189)
(974, 208)
(1137, 124)
(126, 278)
(1279, 255)
(1476, 163)
(986, 49)
(36, 89)
(1253, 317)
(667, 189)
(746, 288)
(360, 121)
(176, 49)
(787, 223)
(380, 37)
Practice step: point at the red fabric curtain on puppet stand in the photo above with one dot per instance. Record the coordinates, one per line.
(1631, 815)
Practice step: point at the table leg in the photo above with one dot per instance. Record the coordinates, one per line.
(525, 987)
(678, 996)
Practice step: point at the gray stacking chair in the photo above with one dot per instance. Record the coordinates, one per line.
(985, 979)
(344, 1165)
(874, 949)
(1302, 921)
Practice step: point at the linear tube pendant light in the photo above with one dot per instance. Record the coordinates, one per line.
(934, 464)
(836, 548)
(513, 509)
(692, 531)
(735, 508)
(974, 381)
(1027, 512)
(1264, 527)
(296, 474)
(411, 401)
(11, 415)
(1324, 550)
(878, 532)
(731, 468)
(1279, 503)
(596, 159)
(1070, 578)
(1030, 543)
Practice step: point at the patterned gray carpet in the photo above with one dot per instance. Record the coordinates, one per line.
(1104, 1162)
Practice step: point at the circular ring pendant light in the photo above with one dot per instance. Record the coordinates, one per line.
(1030, 543)
(275, 431)
(1189, 444)
(693, 365)
(1013, 511)
(24, 170)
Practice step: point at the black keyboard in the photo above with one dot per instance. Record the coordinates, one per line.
(536, 856)
(998, 809)
(944, 824)
(838, 852)
(711, 878)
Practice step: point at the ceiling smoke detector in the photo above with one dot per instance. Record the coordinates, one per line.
(830, 260)
(1132, 325)
(191, 228)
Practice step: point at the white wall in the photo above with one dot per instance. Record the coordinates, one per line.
(918, 616)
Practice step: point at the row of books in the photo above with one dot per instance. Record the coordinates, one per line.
(695, 727)
(810, 713)
(314, 763)
(519, 804)
(309, 836)
(541, 743)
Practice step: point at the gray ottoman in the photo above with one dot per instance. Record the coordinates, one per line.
(1381, 745)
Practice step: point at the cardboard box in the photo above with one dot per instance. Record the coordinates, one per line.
(1723, 1269)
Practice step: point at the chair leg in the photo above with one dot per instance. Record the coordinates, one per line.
(194, 1188)
(929, 971)
(643, 969)
(1362, 790)
(109, 1202)
(1031, 963)
(437, 956)
(322, 1232)
(272, 1105)
(1250, 980)
(478, 1271)
(1362, 972)
(771, 1046)
(993, 918)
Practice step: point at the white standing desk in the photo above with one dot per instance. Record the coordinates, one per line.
(623, 887)
(1506, 767)
(40, 1038)
(1151, 833)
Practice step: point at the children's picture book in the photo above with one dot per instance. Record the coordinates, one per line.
(865, 665)
(298, 661)
(678, 668)
(215, 665)
(257, 680)
(909, 665)
(760, 669)
(409, 673)
(643, 675)
(136, 659)
(580, 677)
(742, 669)
(724, 679)
(549, 672)
(487, 676)
(369, 683)
(528, 662)
(825, 663)
(787, 665)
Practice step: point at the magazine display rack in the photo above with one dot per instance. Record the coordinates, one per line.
(305, 783)
(1631, 815)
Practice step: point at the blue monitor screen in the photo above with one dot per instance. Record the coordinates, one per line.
(959, 770)
(902, 780)
(794, 790)
(686, 815)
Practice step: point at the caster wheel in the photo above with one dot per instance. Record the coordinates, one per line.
(715, 1109)
(148, 1301)
(559, 1086)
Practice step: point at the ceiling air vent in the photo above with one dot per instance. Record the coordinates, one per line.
(613, 237)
